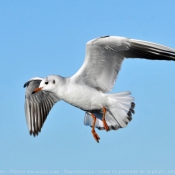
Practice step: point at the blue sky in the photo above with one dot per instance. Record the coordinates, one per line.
(39, 38)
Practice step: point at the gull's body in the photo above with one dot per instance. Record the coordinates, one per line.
(87, 88)
(81, 96)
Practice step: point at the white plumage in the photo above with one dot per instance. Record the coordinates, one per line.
(87, 88)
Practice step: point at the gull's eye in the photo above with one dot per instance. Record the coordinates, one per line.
(53, 81)
(46, 82)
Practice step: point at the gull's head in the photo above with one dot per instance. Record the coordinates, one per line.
(48, 84)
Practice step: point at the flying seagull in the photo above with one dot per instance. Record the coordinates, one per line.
(87, 89)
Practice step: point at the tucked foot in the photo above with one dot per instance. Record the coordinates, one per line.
(103, 119)
(105, 125)
(95, 135)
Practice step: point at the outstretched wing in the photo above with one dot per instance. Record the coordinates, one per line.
(105, 55)
(37, 105)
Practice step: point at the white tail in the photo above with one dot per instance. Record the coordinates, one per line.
(118, 115)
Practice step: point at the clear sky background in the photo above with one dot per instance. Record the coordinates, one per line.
(39, 38)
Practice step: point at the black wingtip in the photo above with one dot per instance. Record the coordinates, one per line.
(129, 115)
(26, 84)
(105, 36)
(132, 110)
(133, 105)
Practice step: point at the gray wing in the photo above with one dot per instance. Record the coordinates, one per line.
(37, 105)
(105, 55)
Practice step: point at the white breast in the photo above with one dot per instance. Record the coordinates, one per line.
(83, 97)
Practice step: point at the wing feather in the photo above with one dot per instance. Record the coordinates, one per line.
(102, 63)
(37, 105)
(149, 50)
(105, 55)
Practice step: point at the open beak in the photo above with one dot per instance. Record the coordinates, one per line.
(37, 90)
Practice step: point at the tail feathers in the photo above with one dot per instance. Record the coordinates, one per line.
(118, 115)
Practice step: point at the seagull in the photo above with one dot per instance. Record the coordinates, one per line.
(87, 88)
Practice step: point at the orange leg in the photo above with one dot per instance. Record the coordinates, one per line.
(103, 119)
(95, 135)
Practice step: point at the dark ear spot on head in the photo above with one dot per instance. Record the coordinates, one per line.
(53, 81)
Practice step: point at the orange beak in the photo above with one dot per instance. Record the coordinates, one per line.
(37, 90)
